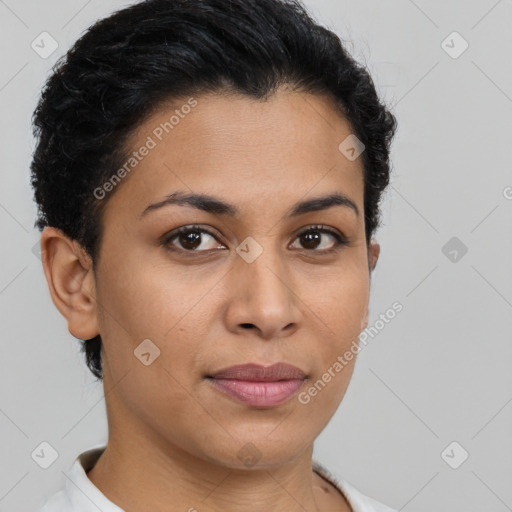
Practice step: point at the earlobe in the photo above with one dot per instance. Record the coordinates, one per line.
(70, 278)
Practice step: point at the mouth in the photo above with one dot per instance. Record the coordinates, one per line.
(257, 385)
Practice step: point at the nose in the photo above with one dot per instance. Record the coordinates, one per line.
(262, 297)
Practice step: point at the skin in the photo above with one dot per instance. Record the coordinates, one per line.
(173, 438)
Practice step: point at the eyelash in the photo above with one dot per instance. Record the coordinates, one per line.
(167, 239)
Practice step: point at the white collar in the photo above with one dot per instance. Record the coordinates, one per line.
(81, 493)
(355, 498)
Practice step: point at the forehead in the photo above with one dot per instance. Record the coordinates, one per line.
(251, 151)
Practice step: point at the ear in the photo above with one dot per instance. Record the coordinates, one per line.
(70, 278)
(373, 254)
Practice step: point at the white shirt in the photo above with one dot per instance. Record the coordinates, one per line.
(81, 495)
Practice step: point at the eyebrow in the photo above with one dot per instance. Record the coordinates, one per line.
(217, 206)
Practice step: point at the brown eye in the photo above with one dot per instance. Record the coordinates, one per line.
(310, 240)
(190, 238)
(313, 238)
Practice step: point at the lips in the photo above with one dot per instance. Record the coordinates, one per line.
(258, 373)
(259, 386)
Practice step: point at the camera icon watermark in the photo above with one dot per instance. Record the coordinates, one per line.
(454, 249)
(454, 455)
(44, 455)
(36, 250)
(351, 147)
(249, 249)
(146, 352)
(454, 45)
(249, 454)
(44, 45)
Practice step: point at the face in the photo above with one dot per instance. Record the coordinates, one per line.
(257, 284)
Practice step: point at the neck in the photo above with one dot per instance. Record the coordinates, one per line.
(140, 476)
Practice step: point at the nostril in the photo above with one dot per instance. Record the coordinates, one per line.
(247, 326)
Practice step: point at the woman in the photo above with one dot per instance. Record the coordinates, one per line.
(208, 176)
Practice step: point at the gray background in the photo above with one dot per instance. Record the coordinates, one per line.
(439, 372)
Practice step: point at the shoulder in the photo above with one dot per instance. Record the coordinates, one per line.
(357, 500)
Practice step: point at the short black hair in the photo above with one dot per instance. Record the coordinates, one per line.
(126, 65)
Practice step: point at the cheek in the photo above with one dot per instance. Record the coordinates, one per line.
(342, 308)
(343, 303)
(342, 315)
(151, 303)
(145, 299)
